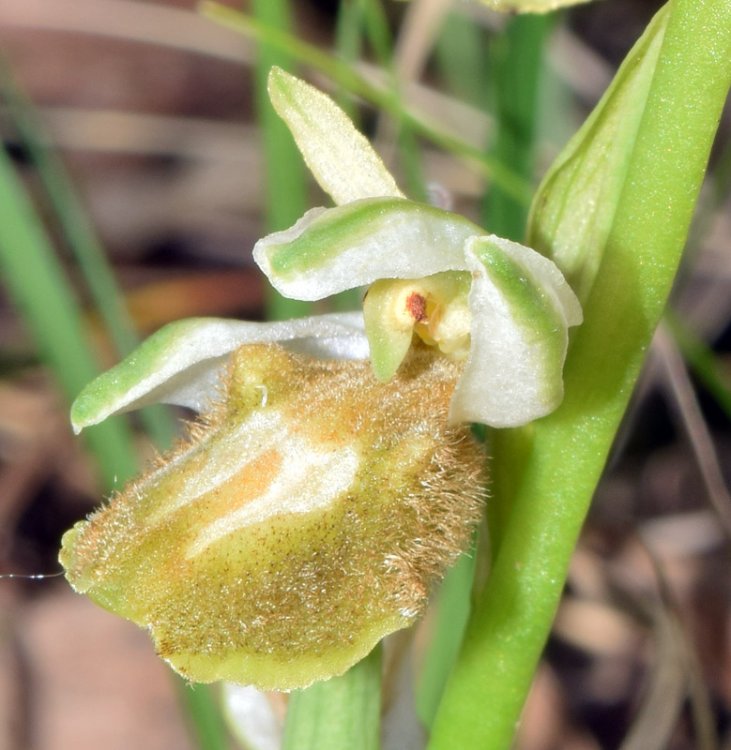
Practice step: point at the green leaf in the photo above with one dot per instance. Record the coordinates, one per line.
(544, 476)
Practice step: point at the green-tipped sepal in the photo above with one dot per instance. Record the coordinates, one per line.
(182, 362)
(521, 310)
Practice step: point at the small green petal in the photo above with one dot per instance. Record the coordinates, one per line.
(340, 158)
(330, 250)
(389, 325)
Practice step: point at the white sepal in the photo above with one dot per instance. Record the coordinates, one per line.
(182, 362)
(330, 250)
(519, 335)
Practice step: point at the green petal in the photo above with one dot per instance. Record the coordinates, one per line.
(521, 309)
(330, 250)
(389, 339)
(340, 158)
(182, 362)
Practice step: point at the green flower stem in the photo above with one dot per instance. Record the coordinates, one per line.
(343, 712)
(286, 182)
(547, 473)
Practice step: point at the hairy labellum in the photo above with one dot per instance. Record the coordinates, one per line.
(305, 518)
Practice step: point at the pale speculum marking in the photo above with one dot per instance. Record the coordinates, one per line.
(307, 479)
(226, 453)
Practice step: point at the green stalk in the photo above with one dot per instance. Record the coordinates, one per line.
(286, 180)
(39, 287)
(547, 473)
(343, 712)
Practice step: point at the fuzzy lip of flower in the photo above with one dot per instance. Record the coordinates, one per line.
(519, 303)
(182, 363)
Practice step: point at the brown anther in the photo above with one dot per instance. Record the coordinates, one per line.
(416, 306)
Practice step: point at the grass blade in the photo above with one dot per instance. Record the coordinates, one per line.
(81, 238)
(203, 712)
(517, 62)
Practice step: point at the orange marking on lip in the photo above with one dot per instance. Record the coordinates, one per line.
(252, 481)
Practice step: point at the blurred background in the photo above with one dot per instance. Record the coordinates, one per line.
(142, 166)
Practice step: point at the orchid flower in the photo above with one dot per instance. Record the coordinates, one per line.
(332, 476)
